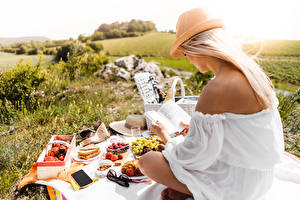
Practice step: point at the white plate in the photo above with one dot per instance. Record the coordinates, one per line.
(75, 156)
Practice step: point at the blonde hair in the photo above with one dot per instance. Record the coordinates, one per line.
(217, 43)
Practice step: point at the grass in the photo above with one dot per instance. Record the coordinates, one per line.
(282, 71)
(285, 74)
(179, 64)
(277, 48)
(8, 60)
(151, 44)
(158, 44)
(61, 114)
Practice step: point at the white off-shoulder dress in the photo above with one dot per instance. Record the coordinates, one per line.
(228, 156)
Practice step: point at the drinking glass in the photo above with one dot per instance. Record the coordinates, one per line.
(135, 132)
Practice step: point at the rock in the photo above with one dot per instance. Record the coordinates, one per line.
(108, 70)
(129, 62)
(150, 67)
(123, 74)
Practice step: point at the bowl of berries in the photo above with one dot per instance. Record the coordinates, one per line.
(118, 147)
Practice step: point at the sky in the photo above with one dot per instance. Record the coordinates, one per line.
(63, 19)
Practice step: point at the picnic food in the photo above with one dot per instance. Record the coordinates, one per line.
(131, 168)
(56, 153)
(90, 151)
(118, 147)
(144, 145)
(104, 167)
(113, 157)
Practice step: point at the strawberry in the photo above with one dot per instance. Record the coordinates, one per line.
(55, 150)
(130, 172)
(61, 157)
(108, 155)
(120, 156)
(51, 153)
(55, 145)
(114, 157)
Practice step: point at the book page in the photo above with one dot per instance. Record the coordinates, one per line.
(175, 114)
(154, 116)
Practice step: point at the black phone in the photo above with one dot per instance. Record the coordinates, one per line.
(81, 178)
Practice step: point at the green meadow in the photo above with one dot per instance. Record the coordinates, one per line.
(8, 60)
(150, 44)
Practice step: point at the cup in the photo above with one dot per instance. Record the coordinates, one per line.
(135, 131)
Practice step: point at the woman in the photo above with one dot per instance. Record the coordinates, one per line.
(235, 136)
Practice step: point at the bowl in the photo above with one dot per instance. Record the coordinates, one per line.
(102, 173)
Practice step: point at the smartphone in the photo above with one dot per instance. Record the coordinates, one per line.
(81, 178)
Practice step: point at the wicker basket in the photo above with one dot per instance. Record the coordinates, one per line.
(187, 103)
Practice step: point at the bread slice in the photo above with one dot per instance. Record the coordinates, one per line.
(88, 147)
(88, 154)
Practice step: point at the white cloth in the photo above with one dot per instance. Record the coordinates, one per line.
(228, 156)
(285, 184)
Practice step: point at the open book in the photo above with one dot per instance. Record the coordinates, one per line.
(170, 115)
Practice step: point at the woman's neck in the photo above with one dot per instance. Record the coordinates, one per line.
(218, 66)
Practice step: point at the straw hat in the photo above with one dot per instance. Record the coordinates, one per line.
(132, 121)
(189, 24)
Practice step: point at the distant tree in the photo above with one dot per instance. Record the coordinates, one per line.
(98, 35)
(114, 33)
(104, 28)
(32, 51)
(82, 38)
(70, 49)
(21, 50)
(96, 46)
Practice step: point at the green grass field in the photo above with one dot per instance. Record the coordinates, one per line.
(158, 44)
(150, 44)
(275, 48)
(8, 60)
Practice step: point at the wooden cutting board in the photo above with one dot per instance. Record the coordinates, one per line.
(119, 162)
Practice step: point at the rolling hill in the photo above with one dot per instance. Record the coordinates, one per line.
(157, 44)
(11, 40)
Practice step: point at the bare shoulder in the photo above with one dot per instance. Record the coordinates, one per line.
(230, 93)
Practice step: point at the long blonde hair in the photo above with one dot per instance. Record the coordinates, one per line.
(217, 43)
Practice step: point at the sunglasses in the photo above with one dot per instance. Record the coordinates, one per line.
(122, 180)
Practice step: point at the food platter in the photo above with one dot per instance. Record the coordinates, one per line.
(76, 158)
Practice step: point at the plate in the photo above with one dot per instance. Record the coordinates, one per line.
(75, 156)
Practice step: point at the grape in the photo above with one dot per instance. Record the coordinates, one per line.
(138, 145)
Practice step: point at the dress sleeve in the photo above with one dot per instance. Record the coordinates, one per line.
(200, 148)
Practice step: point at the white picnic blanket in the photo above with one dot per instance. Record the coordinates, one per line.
(286, 184)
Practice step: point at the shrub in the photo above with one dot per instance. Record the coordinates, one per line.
(115, 33)
(96, 46)
(98, 35)
(17, 87)
(83, 65)
(289, 111)
(21, 50)
(72, 49)
(33, 51)
(198, 81)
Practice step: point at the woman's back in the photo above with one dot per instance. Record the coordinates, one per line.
(228, 92)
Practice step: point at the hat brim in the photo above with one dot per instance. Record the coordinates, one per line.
(175, 50)
(120, 127)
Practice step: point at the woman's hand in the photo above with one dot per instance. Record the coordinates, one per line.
(184, 131)
(160, 131)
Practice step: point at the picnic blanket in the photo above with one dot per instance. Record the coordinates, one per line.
(286, 184)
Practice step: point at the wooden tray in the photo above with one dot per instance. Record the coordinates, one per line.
(118, 162)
